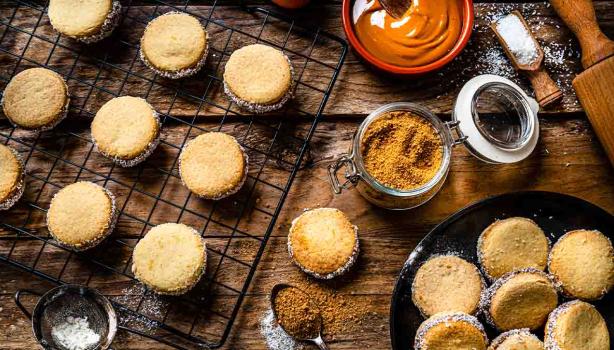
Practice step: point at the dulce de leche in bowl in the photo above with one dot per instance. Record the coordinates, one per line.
(428, 36)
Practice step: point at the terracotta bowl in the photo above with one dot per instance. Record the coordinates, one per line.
(466, 30)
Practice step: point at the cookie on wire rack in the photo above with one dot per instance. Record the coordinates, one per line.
(87, 21)
(12, 173)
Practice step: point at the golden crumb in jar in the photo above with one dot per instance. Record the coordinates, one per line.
(297, 313)
(402, 150)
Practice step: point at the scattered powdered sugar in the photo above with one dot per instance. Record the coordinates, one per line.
(75, 334)
(152, 308)
(276, 338)
(518, 39)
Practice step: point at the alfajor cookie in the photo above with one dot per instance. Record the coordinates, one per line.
(87, 21)
(12, 175)
(512, 244)
(583, 262)
(36, 99)
(258, 78)
(576, 325)
(323, 242)
(434, 280)
(519, 299)
(127, 130)
(213, 165)
(81, 215)
(451, 331)
(170, 259)
(516, 339)
(174, 45)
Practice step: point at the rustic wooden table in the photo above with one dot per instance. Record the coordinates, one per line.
(568, 159)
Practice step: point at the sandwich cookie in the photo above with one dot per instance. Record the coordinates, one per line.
(258, 78)
(170, 259)
(12, 175)
(576, 325)
(127, 130)
(517, 339)
(81, 215)
(323, 243)
(36, 99)
(451, 331)
(87, 21)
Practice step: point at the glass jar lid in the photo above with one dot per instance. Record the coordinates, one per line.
(496, 120)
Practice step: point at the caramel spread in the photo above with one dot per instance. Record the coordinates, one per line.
(401, 150)
(427, 32)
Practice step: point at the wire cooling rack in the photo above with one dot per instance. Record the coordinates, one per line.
(236, 229)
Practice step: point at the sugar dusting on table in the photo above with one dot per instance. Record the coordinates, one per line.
(75, 334)
(518, 39)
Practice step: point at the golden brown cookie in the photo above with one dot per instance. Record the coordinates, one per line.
(213, 165)
(517, 339)
(323, 242)
(583, 262)
(126, 129)
(174, 45)
(451, 331)
(512, 244)
(170, 259)
(85, 20)
(36, 99)
(576, 325)
(11, 177)
(440, 275)
(81, 215)
(258, 78)
(520, 299)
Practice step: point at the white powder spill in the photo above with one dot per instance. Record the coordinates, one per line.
(152, 306)
(518, 39)
(276, 338)
(75, 334)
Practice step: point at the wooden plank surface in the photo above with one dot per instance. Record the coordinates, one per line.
(568, 159)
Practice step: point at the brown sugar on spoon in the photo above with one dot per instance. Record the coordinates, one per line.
(297, 313)
(402, 150)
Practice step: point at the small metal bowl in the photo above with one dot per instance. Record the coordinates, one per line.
(55, 306)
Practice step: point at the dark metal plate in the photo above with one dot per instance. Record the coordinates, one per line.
(555, 213)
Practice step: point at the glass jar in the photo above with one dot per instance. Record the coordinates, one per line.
(492, 117)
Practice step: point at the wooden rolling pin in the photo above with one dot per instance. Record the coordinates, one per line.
(594, 86)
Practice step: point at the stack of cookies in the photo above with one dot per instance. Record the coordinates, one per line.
(522, 298)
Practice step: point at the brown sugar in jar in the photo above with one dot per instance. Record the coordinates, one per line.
(402, 150)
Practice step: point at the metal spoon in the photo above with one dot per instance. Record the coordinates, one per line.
(317, 340)
(396, 8)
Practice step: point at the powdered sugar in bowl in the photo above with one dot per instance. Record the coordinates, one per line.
(72, 317)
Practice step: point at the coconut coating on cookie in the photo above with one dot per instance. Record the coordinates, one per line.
(512, 244)
(170, 259)
(323, 242)
(520, 299)
(174, 42)
(81, 215)
(11, 177)
(583, 262)
(35, 99)
(451, 331)
(576, 325)
(441, 274)
(125, 127)
(258, 74)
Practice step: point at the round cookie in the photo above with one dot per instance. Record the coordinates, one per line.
(36, 99)
(87, 21)
(512, 244)
(519, 299)
(11, 177)
(213, 165)
(126, 129)
(81, 215)
(451, 331)
(323, 242)
(441, 274)
(576, 325)
(170, 259)
(583, 262)
(517, 339)
(258, 78)
(174, 45)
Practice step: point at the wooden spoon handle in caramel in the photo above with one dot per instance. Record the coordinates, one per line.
(579, 15)
(546, 90)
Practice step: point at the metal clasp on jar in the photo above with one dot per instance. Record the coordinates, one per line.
(459, 138)
(351, 174)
